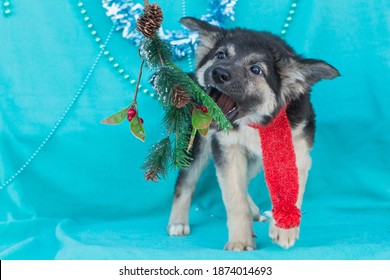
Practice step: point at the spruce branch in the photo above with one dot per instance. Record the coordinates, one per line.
(163, 85)
(156, 163)
(177, 120)
(155, 51)
(180, 97)
(181, 159)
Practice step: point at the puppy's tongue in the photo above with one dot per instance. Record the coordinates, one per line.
(226, 103)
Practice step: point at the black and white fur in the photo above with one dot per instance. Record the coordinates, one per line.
(259, 74)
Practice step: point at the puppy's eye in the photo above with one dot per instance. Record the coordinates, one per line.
(256, 69)
(220, 55)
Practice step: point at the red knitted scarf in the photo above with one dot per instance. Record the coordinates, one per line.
(281, 173)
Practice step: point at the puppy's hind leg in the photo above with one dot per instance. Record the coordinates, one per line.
(255, 210)
(185, 186)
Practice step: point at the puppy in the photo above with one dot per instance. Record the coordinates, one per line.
(251, 75)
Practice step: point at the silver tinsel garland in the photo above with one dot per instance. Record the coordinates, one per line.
(124, 14)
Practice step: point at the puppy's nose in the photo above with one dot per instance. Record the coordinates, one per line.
(220, 75)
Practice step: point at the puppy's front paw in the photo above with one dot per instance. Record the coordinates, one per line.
(178, 229)
(285, 238)
(239, 246)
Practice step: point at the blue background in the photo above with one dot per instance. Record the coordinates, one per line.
(84, 195)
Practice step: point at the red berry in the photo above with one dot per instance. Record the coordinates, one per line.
(141, 120)
(131, 113)
(203, 109)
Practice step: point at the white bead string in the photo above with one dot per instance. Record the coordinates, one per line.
(7, 7)
(64, 114)
(289, 18)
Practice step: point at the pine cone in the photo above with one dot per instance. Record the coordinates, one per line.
(151, 20)
(179, 97)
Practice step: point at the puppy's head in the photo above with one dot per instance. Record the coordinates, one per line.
(252, 75)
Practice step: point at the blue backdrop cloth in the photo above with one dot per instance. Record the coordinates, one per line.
(84, 195)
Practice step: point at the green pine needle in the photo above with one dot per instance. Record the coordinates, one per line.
(163, 85)
(177, 121)
(155, 52)
(180, 158)
(156, 163)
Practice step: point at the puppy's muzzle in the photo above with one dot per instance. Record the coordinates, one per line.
(220, 75)
(221, 78)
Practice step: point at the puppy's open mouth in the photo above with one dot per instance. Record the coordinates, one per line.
(225, 102)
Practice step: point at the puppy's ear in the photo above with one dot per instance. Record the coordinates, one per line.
(208, 35)
(194, 24)
(299, 74)
(315, 70)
